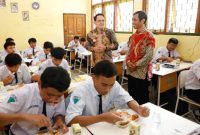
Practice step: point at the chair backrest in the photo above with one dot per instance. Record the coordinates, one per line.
(182, 78)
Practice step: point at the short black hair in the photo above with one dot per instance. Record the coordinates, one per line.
(105, 68)
(58, 53)
(47, 45)
(32, 40)
(9, 40)
(99, 14)
(8, 44)
(82, 40)
(173, 40)
(55, 77)
(76, 37)
(141, 15)
(13, 59)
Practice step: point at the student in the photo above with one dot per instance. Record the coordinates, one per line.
(74, 43)
(33, 49)
(57, 59)
(37, 105)
(45, 54)
(168, 53)
(93, 99)
(14, 72)
(9, 40)
(9, 47)
(192, 85)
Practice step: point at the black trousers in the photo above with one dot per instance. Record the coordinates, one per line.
(138, 89)
(193, 94)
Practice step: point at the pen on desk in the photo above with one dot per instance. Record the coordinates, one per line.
(89, 131)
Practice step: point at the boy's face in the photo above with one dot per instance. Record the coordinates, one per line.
(102, 84)
(10, 49)
(83, 43)
(13, 69)
(32, 44)
(55, 61)
(76, 41)
(51, 95)
(47, 50)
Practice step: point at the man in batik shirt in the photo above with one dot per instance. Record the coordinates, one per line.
(101, 41)
(139, 56)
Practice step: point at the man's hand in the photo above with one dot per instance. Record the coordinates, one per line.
(38, 120)
(111, 117)
(60, 125)
(143, 111)
(7, 80)
(30, 56)
(169, 59)
(132, 67)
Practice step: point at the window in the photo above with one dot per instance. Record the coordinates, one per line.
(118, 14)
(179, 16)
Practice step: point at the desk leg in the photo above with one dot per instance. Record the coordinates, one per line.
(158, 87)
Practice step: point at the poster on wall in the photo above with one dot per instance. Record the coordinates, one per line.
(2, 3)
(14, 7)
(25, 15)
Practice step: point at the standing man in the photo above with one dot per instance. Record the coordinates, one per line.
(101, 41)
(139, 56)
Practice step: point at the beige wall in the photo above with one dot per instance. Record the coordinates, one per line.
(46, 23)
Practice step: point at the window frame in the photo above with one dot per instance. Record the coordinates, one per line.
(115, 2)
(167, 10)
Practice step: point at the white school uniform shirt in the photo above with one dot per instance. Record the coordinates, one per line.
(85, 100)
(27, 99)
(29, 50)
(80, 49)
(72, 43)
(49, 63)
(23, 74)
(164, 52)
(41, 56)
(193, 77)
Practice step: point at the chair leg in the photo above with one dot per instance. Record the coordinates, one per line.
(176, 107)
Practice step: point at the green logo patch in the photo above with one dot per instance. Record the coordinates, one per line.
(76, 99)
(12, 99)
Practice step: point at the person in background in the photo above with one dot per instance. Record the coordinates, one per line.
(101, 41)
(32, 50)
(14, 72)
(74, 43)
(94, 99)
(192, 85)
(57, 60)
(45, 54)
(9, 47)
(168, 53)
(37, 106)
(142, 44)
(9, 40)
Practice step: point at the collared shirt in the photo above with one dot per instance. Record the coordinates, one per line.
(49, 63)
(42, 56)
(27, 99)
(193, 77)
(107, 38)
(72, 43)
(85, 101)
(164, 52)
(23, 74)
(29, 51)
(141, 52)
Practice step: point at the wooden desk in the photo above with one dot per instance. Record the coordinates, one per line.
(160, 122)
(167, 77)
(119, 64)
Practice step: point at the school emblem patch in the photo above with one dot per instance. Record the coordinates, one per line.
(76, 99)
(12, 99)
